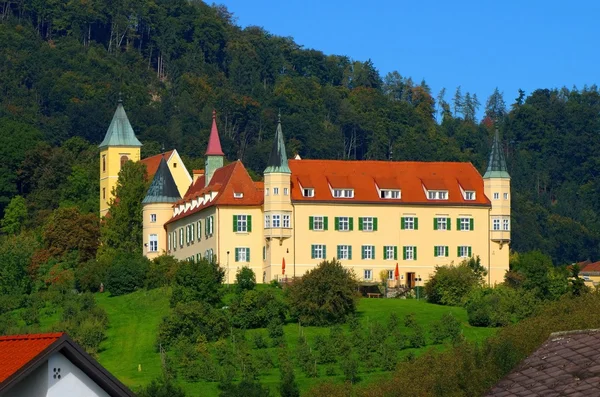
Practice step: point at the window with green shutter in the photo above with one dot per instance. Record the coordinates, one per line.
(375, 224)
(337, 223)
(395, 253)
(449, 223)
(249, 223)
(416, 227)
(435, 223)
(325, 222)
(415, 252)
(404, 253)
(311, 222)
(471, 224)
(402, 223)
(247, 254)
(235, 223)
(446, 250)
(351, 223)
(469, 252)
(360, 223)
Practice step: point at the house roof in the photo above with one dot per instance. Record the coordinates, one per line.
(278, 162)
(497, 165)
(120, 132)
(232, 178)
(590, 268)
(214, 143)
(567, 364)
(409, 176)
(153, 162)
(163, 188)
(20, 355)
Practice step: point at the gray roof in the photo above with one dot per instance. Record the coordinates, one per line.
(120, 132)
(163, 188)
(497, 165)
(278, 162)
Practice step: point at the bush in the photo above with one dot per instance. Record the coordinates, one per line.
(451, 284)
(446, 328)
(161, 271)
(161, 388)
(127, 273)
(84, 321)
(245, 280)
(198, 281)
(260, 342)
(324, 295)
(500, 306)
(89, 275)
(256, 309)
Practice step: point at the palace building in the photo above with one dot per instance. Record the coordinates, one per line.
(373, 216)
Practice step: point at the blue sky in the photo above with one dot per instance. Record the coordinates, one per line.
(478, 45)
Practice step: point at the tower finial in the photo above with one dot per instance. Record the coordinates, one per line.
(120, 101)
(214, 114)
(279, 117)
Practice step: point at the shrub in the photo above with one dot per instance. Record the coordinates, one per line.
(89, 275)
(500, 306)
(275, 329)
(417, 337)
(245, 280)
(161, 271)
(260, 342)
(324, 295)
(256, 309)
(451, 284)
(198, 281)
(161, 388)
(127, 273)
(448, 327)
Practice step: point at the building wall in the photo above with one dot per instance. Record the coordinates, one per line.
(110, 165)
(197, 246)
(163, 212)
(180, 174)
(34, 385)
(499, 239)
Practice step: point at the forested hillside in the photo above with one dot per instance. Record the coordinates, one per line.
(63, 64)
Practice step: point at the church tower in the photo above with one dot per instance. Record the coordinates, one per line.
(157, 210)
(496, 183)
(119, 145)
(214, 153)
(278, 211)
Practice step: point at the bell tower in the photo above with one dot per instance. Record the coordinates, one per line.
(119, 146)
(214, 153)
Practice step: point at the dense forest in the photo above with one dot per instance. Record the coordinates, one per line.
(64, 64)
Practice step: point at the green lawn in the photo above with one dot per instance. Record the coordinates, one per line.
(134, 320)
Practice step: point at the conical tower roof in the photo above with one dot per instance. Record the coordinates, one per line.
(214, 142)
(163, 188)
(497, 165)
(278, 162)
(120, 132)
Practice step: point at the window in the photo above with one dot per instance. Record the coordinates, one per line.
(496, 224)
(344, 223)
(344, 251)
(464, 223)
(264, 252)
(267, 221)
(505, 224)
(368, 224)
(318, 251)
(266, 191)
(409, 223)
(343, 193)
(153, 247)
(276, 221)
(187, 234)
(391, 275)
(308, 192)
(199, 230)
(192, 230)
(440, 223)
(368, 252)
(317, 223)
(368, 274)
(389, 194)
(124, 159)
(103, 193)
(153, 218)
(180, 237)
(390, 252)
(242, 223)
(286, 221)
(496, 196)
(169, 238)
(505, 196)
(464, 251)
(437, 195)
(242, 254)
(275, 191)
(469, 195)
(286, 191)
(238, 195)
(103, 163)
(409, 253)
(209, 226)
(174, 165)
(440, 250)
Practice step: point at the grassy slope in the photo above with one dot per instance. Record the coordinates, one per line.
(134, 321)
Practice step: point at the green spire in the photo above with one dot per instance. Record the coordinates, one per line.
(120, 132)
(163, 188)
(278, 162)
(497, 164)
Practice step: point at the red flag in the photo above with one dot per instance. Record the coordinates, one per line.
(283, 266)
(396, 273)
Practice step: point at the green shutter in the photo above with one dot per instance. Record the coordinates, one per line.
(416, 223)
(264, 253)
(235, 223)
(247, 254)
(404, 253)
(435, 251)
(337, 223)
(360, 224)
(395, 252)
(312, 251)
(446, 250)
(435, 225)
(375, 224)
(324, 252)
(349, 252)
(449, 223)
(402, 224)
(415, 253)
(362, 252)
(339, 251)
(458, 223)
(325, 222)
(373, 251)
(311, 222)
(469, 251)
(206, 228)
(471, 224)
(458, 251)
(351, 223)
(384, 247)
(249, 223)
(237, 255)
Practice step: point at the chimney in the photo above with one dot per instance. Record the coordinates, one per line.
(197, 175)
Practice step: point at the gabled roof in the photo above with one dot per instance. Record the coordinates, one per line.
(497, 165)
(567, 364)
(152, 162)
(408, 176)
(163, 188)
(120, 132)
(232, 178)
(214, 143)
(20, 355)
(590, 268)
(278, 162)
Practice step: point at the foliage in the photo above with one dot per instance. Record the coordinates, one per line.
(539, 275)
(578, 286)
(68, 230)
(127, 273)
(246, 388)
(198, 281)
(161, 271)
(448, 327)
(451, 284)
(84, 321)
(245, 279)
(324, 295)
(15, 255)
(256, 309)
(89, 276)
(15, 215)
(161, 387)
(500, 306)
(288, 386)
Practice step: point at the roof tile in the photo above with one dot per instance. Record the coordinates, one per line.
(17, 350)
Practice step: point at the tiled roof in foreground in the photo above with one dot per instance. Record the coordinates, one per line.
(18, 350)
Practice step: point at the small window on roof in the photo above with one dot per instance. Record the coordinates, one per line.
(469, 195)
(389, 194)
(308, 192)
(238, 195)
(437, 194)
(343, 193)
(174, 165)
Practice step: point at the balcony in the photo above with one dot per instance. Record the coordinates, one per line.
(278, 232)
(500, 236)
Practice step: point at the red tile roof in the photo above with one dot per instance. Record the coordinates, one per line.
(590, 267)
(225, 181)
(409, 176)
(153, 162)
(18, 350)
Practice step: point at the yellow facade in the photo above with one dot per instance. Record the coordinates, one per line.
(155, 216)
(180, 174)
(111, 160)
(498, 191)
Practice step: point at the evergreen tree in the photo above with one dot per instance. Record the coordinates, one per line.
(15, 215)
(495, 107)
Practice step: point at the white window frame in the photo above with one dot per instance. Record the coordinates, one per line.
(390, 274)
(241, 224)
(505, 196)
(308, 192)
(437, 194)
(409, 223)
(440, 251)
(238, 195)
(496, 196)
(410, 252)
(389, 252)
(152, 218)
(506, 224)
(286, 191)
(318, 248)
(285, 222)
(266, 191)
(153, 243)
(442, 223)
(368, 252)
(242, 254)
(367, 220)
(469, 195)
(267, 221)
(389, 194)
(465, 224)
(344, 252)
(275, 191)
(276, 221)
(496, 224)
(343, 193)
(319, 222)
(463, 251)
(346, 223)
(368, 274)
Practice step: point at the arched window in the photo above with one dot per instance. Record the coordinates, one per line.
(103, 163)
(124, 159)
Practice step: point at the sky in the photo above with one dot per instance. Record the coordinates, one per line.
(476, 44)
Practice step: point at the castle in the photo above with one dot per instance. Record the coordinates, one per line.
(373, 216)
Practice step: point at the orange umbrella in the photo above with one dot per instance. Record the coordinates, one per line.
(283, 266)
(396, 273)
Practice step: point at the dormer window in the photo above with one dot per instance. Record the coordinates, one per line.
(469, 195)
(343, 193)
(389, 194)
(437, 194)
(238, 195)
(308, 192)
